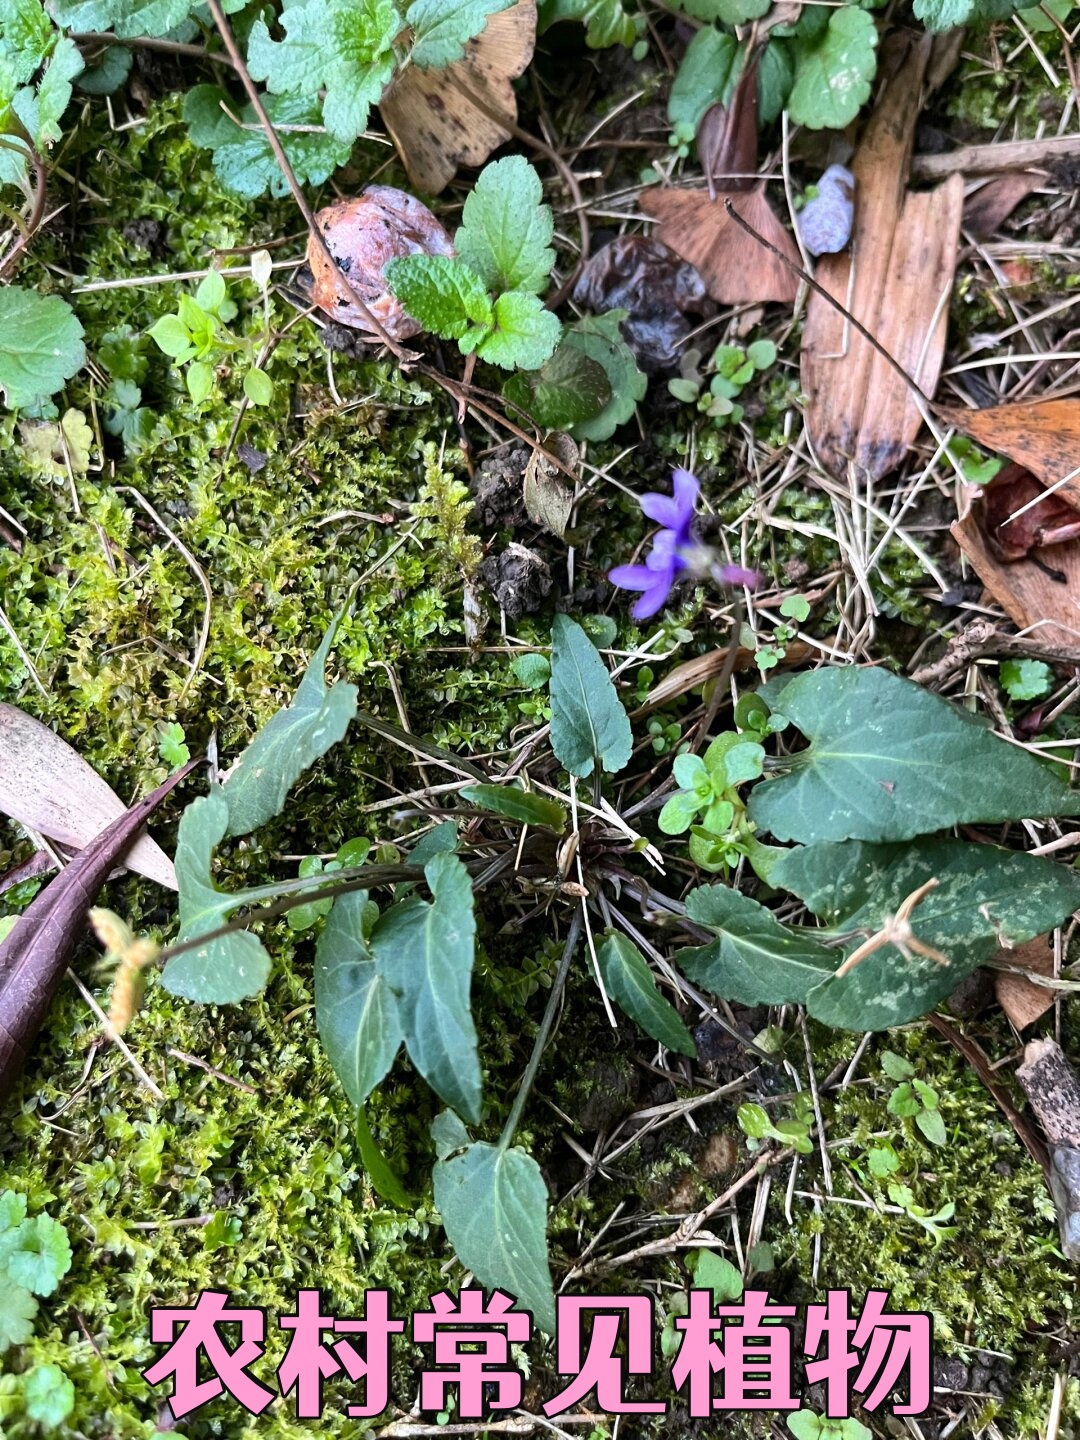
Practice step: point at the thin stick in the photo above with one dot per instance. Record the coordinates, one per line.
(814, 285)
(146, 42)
(229, 41)
(994, 159)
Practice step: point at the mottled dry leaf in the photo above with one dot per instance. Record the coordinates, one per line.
(1041, 435)
(735, 268)
(46, 786)
(1023, 1001)
(440, 119)
(896, 280)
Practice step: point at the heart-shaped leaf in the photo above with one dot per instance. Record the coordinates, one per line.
(494, 1206)
(355, 1009)
(889, 761)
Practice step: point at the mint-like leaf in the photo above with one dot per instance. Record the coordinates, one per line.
(26, 37)
(704, 77)
(442, 28)
(343, 47)
(833, 72)
(506, 230)
(41, 345)
(728, 12)
(442, 293)
(243, 160)
(17, 1310)
(525, 335)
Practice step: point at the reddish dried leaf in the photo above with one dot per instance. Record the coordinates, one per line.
(727, 137)
(1041, 435)
(735, 268)
(35, 954)
(1050, 521)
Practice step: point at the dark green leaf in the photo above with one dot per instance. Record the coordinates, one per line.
(630, 983)
(754, 958)
(425, 953)
(494, 1207)
(567, 389)
(290, 742)
(588, 722)
(229, 969)
(599, 337)
(607, 23)
(703, 77)
(41, 345)
(517, 804)
(355, 1009)
(985, 898)
(889, 761)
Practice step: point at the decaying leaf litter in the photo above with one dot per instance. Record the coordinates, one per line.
(885, 460)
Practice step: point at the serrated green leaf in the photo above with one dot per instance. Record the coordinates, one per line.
(599, 337)
(26, 36)
(355, 1009)
(235, 966)
(889, 761)
(516, 804)
(41, 345)
(54, 91)
(425, 952)
(441, 292)
(506, 228)
(568, 389)
(525, 333)
(834, 72)
(17, 1310)
(703, 78)
(1026, 679)
(442, 28)
(754, 959)
(950, 14)
(12, 1213)
(985, 898)
(243, 160)
(288, 744)
(493, 1205)
(588, 721)
(630, 983)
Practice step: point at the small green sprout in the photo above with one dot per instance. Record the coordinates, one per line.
(913, 1098)
(197, 337)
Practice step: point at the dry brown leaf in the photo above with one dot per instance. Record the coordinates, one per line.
(691, 673)
(995, 201)
(1022, 1000)
(548, 499)
(1037, 590)
(47, 787)
(440, 119)
(1041, 435)
(895, 280)
(735, 268)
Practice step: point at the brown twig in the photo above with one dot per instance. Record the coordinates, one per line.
(37, 213)
(229, 41)
(798, 270)
(147, 42)
(995, 159)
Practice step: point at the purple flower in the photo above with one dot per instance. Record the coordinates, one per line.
(673, 548)
(665, 560)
